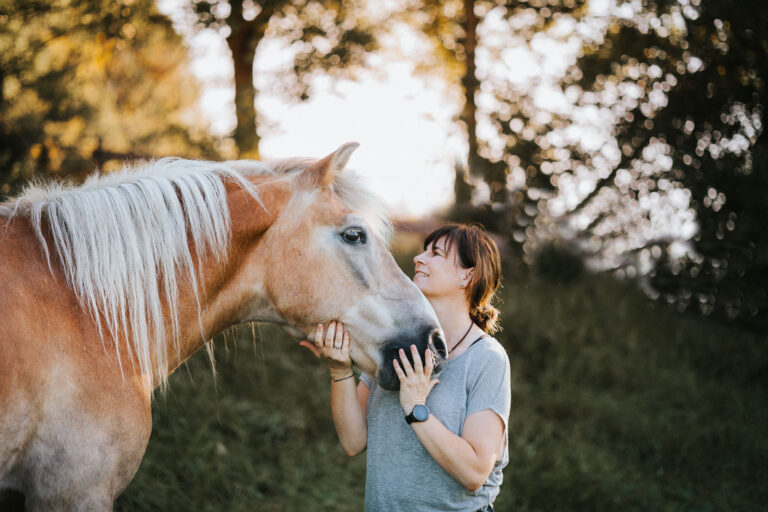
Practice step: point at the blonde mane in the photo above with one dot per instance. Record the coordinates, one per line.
(122, 240)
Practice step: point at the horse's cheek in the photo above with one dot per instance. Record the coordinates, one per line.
(304, 289)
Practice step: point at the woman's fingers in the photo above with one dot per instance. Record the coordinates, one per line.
(406, 363)
(338, 338)
(417, 366)
(345, 342)
(319, 335)
(430, 363)
(329, 334)
(331, 345)
(398, 371)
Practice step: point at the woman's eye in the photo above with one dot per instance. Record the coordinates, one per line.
(354, 236)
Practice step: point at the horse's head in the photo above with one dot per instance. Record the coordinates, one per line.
(325, 258)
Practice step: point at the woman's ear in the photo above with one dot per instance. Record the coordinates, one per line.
(466, 277)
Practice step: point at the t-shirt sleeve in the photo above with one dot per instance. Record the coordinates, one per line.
(367, 380)
(491, 387)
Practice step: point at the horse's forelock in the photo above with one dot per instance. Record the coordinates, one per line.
(350, 188)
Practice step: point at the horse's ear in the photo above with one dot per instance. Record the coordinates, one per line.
(324, 171)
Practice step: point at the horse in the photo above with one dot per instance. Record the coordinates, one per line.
(107, 287)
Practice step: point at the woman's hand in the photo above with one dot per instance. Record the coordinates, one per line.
(415, 381)
(333, 349)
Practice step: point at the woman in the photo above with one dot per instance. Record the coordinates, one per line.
(436, 444)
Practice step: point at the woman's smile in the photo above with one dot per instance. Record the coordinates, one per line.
(420, 273)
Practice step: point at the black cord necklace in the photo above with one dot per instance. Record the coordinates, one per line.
(462, 338)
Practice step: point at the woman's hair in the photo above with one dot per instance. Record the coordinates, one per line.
(475, 249)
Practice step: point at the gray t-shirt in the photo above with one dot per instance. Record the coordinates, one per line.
(401, 474)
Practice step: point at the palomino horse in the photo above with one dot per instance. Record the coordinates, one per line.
(106, 288)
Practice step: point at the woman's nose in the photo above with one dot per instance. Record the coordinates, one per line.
(418, 258)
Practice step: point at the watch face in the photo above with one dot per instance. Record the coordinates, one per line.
(421, 413)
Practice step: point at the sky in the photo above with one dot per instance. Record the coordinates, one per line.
(408, 142)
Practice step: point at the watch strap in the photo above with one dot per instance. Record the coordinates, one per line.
(411, 418)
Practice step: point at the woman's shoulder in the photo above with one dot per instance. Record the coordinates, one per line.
(487, 370)
(485, 352)
(489, 347)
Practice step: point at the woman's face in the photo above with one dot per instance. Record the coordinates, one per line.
(437, 272)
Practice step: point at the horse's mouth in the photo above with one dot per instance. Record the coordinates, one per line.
(386, 376)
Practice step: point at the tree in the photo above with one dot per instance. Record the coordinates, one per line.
(689, 123)
(81, 77)
(509, 162)
(328, 35)
(677, 190)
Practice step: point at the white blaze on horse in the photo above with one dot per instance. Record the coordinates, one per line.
(106, 288)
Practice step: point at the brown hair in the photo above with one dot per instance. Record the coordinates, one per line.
(475, 249)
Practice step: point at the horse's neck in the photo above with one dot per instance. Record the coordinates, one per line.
(226, 287)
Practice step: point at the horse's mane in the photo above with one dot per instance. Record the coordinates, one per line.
(122, 242)
(122, 239)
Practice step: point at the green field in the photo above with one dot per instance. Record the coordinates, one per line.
(617, 404)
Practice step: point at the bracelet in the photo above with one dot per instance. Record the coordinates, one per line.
(343, 378)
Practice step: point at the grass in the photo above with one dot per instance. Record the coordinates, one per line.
(617, 404)
(258, 437)
(621, 404)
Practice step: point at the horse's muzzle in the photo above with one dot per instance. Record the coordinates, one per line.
(426, 337)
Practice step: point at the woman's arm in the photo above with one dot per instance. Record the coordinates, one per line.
(468, 458)
(347, 400)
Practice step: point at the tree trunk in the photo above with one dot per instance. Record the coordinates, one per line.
(470, 85)
(243, 39)
(246, 136)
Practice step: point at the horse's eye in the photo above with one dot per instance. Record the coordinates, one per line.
(354, 236)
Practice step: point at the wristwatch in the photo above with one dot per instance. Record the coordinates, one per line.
(418, 414)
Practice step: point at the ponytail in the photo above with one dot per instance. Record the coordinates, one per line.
(486, 317)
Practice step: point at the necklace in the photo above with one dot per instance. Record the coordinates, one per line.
(462, 338)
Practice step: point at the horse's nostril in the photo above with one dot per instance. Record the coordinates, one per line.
(437, 341)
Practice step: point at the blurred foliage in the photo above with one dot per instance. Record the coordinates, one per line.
(676, 196)
(455, 30)
(691, 83)
(332, 36)
(617, 404)
(81, 78)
